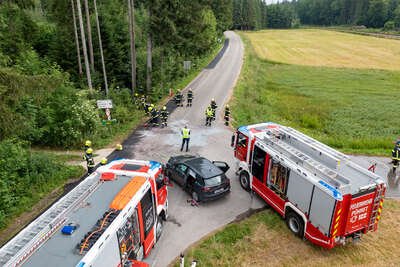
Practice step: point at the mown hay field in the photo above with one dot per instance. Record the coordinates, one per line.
(315, 47)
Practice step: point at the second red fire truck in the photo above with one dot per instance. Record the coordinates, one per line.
(322, 194)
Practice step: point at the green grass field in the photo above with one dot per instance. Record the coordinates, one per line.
(264, 240)
(353, 110)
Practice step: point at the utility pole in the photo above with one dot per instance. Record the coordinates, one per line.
(101, 48)
(78, 50)
(131, 17)
(149, 56)
(89, 32)
(85, 55)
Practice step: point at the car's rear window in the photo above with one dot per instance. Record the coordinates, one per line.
(213, 181)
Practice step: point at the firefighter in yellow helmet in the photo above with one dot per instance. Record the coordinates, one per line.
(89, 160)
(88, 144)
(103, 161)
(209, 116)
(164, 116)
(214, 107)
(227, 115)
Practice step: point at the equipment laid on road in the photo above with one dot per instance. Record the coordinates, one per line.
(322, 194)
(120, 210)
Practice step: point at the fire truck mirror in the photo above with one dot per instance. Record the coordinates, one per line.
(233, 141)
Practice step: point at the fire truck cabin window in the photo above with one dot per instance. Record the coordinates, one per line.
(278, 178)
(258, 165)
(147, 212)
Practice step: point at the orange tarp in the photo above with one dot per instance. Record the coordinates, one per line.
(127, 193)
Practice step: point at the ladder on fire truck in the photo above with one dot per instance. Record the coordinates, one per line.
(376, 208)
(17, 250)
(285, 140)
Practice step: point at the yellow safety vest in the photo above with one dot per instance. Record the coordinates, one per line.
(185, 133)
(209, 112)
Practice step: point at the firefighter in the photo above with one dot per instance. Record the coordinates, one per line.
(89, 160)
(189, 97)
(396, 156)
(214, 107)
(137, 100)
(227, 115)
(103, 161)
(185, 132)
(179, 98)
(88, 144)
(209, 116)
(118, 147)
(164, 116)
(143, 102)
(154, 116)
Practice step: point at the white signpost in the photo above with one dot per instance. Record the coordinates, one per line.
(106, 105)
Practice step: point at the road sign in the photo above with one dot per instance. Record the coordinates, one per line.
(107, 103)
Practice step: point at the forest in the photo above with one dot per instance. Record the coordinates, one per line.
(256, 14)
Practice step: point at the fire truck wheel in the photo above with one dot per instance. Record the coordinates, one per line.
(295, 223)
(159, 227)
(244, 180)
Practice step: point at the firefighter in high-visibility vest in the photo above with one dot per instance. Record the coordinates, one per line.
(189, 97)
(227, 115)
(214, 107)
(137, 100)
(185, 132)
(396, 156)
(209, 116)
(89, 160)
(164, 116)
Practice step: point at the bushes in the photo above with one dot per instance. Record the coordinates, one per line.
(25, 176)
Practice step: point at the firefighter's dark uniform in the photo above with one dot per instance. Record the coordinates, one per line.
(154, 117)
(89, 162)
(189, 98)
(209, 116)
(227, 115)
(396, 156)
(214, 108)
(164, 117)
(179, 99)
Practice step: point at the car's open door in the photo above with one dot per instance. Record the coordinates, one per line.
(221, 165)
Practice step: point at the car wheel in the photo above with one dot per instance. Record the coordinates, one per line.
(159, 228)
(244, 180)
(195, 196)
(295, 223)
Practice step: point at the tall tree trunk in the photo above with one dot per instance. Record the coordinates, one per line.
(149, 57)
(78, 49)
(101, 48)
(89, 33)
(85, 55)
(131, 9)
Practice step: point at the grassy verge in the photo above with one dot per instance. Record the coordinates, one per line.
(349, 109)
(264, 240)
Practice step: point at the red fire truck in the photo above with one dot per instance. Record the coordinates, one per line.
(112, 218)
(321, 193)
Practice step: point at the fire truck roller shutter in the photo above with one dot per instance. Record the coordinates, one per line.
(299, 191)
(321, 210)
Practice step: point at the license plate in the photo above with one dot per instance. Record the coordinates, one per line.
(218, 191)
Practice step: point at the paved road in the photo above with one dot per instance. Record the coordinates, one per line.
(187, 224)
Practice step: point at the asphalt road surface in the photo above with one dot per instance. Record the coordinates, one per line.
(188, 224)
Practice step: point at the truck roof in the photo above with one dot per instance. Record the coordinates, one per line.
(326, 166)
(42, 243)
